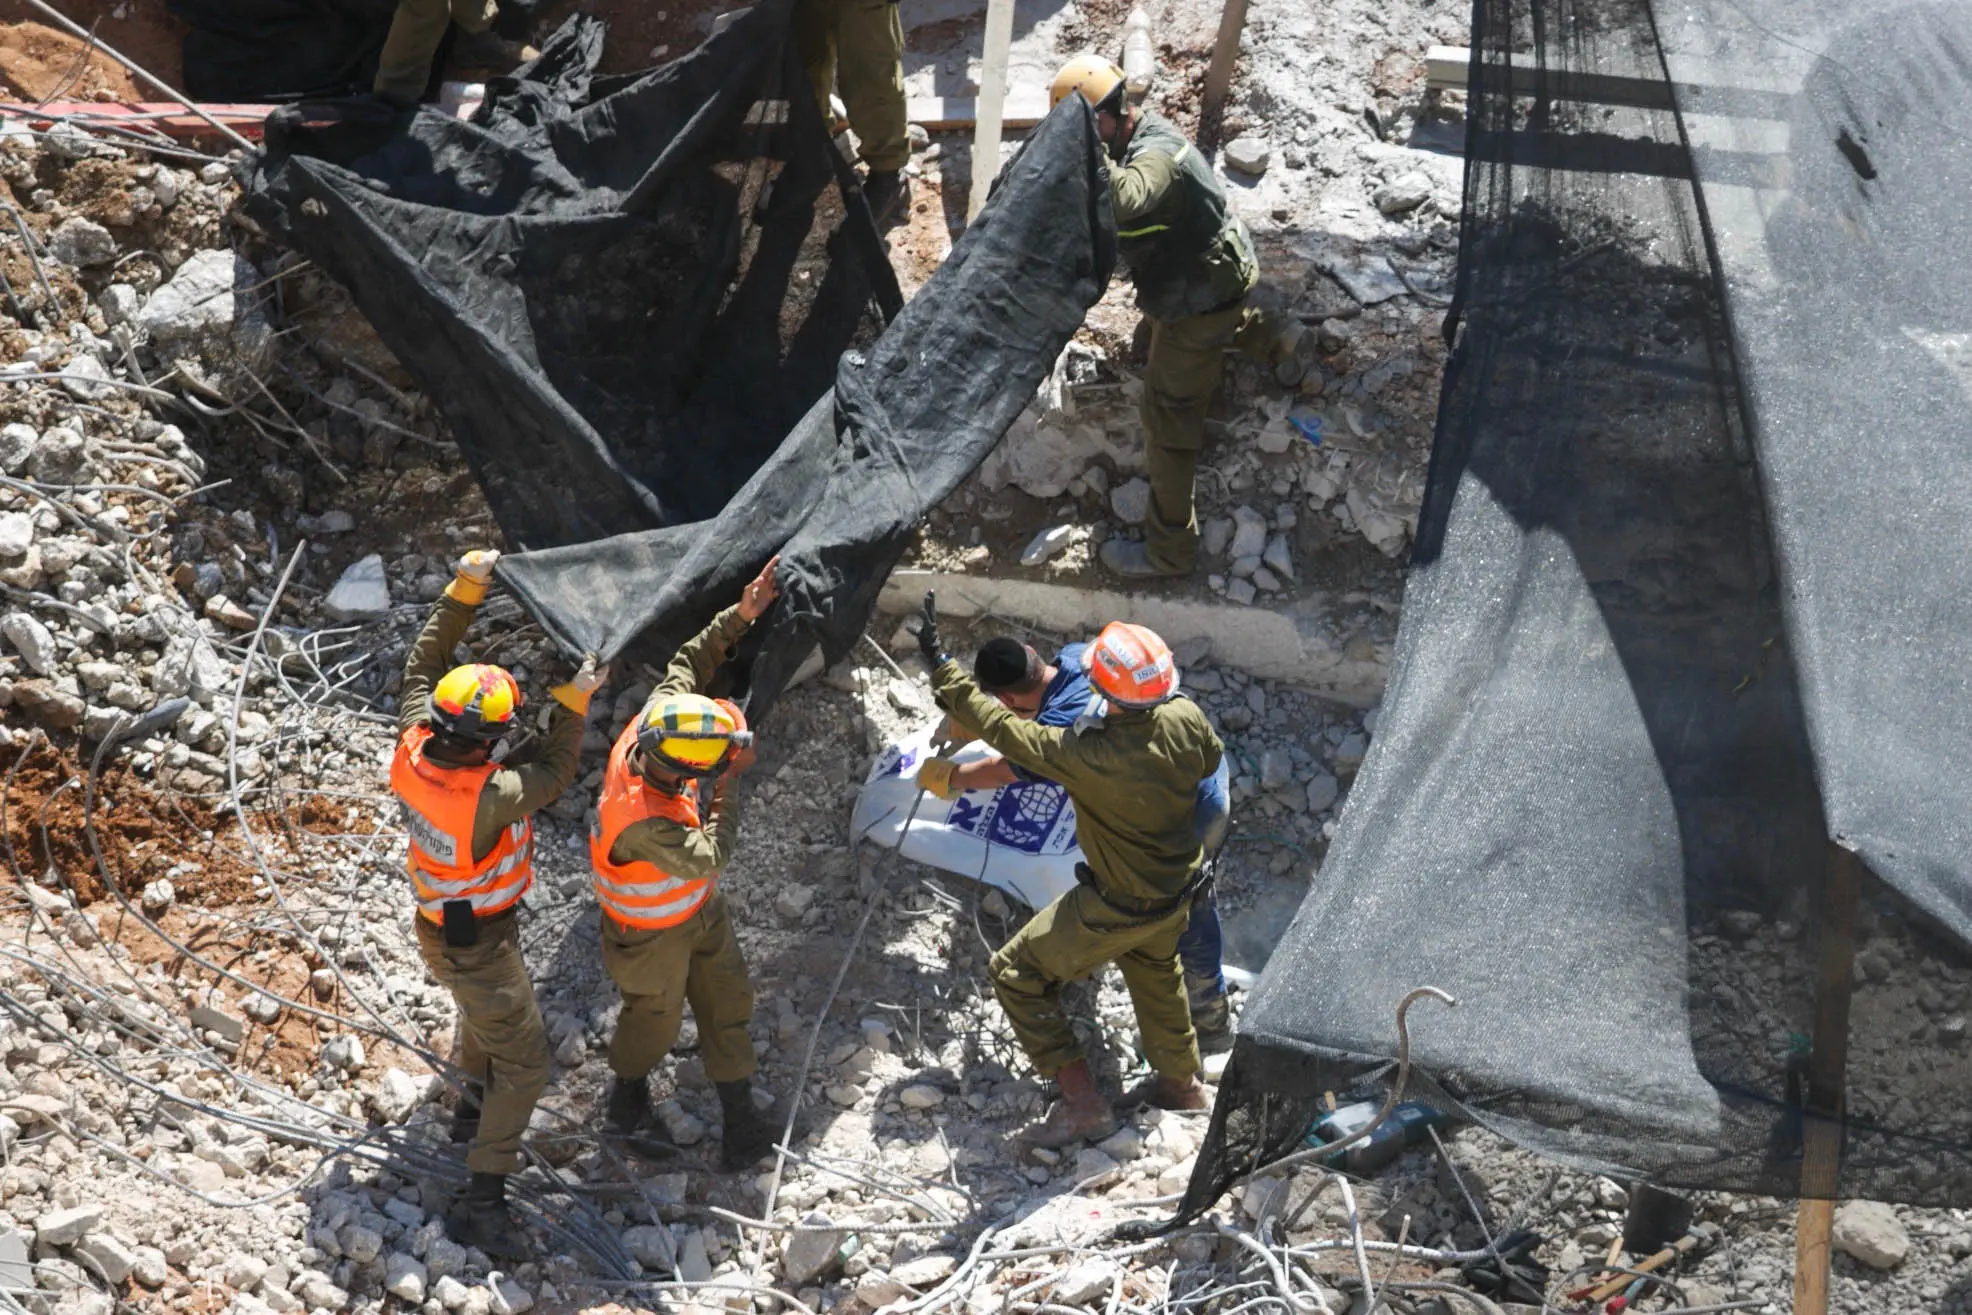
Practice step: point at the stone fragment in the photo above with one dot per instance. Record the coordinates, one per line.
(32, 640)
(926, 1271)
(404, 1277)
(82, 243)
(60, 1228)
(1276, 770)
(1249, 534)
(920, 1096)
(230, 614)
(62, 456)
(359, 1242)
(1123, 1145)
(1870, 1232)
(397, 1095)
(1249, 153)
(649, 1245)
(1279, 557)
(683, 1127)
(1130, 500)
(151, 1269)
(343, 1051)
(1322, 792)
(1085, 1282)
(16, 533)
(16, 441)
(506, 1297)
(792, 900)
(119, 303)
(210, 1018)
(1404, 193)
(809, 1255)
(1093, 1167)
(450, 1293)
(86, 379)
(1266, 581)
(108, 1255)
(198, 300)
(361, 593)
(1241, 591)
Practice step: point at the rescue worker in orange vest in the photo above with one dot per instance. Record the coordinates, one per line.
(666, 822)
(471, 850)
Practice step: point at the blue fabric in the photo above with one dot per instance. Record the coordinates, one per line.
(1067, 697)
(1201, 949)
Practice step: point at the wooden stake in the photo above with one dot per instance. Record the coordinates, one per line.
(1821, 1138)
(1225, 52)
(992, 104)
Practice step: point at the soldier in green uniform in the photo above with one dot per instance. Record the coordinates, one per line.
(1193, 265)
(1132, 772)
(859, 44)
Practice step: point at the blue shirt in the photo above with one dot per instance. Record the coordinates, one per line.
(1067, 697)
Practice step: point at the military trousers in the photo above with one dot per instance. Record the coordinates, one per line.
(1072, 938)
(660, 971)
(859, 44)
(1187, 358)
(404, 66)
(503, 1044)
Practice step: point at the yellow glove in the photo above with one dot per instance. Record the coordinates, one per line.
(575, 695)
(935, 775)
(473, 573)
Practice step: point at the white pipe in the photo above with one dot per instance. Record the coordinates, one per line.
(992, 103)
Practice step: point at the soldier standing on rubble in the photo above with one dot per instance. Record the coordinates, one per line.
(471, 843)
(861, 44)
(1059, 694)
(1193, 264)
(417, 28)
(1133, 777)
(661, 840)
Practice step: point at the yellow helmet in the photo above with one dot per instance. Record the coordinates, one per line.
(475, 702)
(691, 734)
(1099, 81)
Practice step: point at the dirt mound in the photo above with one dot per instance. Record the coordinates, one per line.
(40, 63)
(143, 835)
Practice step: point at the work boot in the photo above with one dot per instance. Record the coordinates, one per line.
(480, 1218)
(489, 50)
(465, 1118)
(1130, 558)
(888, 193)
(1081, 1114)
(629, 1123)
(1167, 1093)
(746, 1134)
(1211, 1013)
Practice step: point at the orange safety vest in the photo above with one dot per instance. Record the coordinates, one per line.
(440, 803)
(640, 894)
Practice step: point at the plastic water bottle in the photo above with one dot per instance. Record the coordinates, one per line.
(1139, 61)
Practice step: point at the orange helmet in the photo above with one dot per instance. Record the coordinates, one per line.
(1130, 666)
(475, 702)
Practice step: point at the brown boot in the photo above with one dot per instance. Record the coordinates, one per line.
(1081, 1114)
(1168, 1093)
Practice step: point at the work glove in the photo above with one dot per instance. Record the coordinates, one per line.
(472, 574)
(935, 775)
(582, 686)
(928, 641)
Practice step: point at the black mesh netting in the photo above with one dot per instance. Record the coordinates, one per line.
(647, 307)
(1687, 601)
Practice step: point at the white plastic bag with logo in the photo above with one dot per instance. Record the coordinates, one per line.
(1020, 837)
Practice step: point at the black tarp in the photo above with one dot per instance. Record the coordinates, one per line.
(1687, 603)
(645, 309)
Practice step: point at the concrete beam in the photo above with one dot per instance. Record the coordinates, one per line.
(1340, 652)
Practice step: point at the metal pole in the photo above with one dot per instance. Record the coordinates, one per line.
(75, 29)
(992, 104)
(1821, 1138)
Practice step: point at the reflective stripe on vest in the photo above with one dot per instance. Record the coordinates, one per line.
(639, 894)
(440, 804)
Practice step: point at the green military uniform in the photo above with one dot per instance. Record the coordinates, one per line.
(859, 43)
(503, 1045)
(404, 66)
(1192, 262)
(1134, 782)
(660, 970)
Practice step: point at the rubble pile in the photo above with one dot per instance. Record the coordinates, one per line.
(221, 1060)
